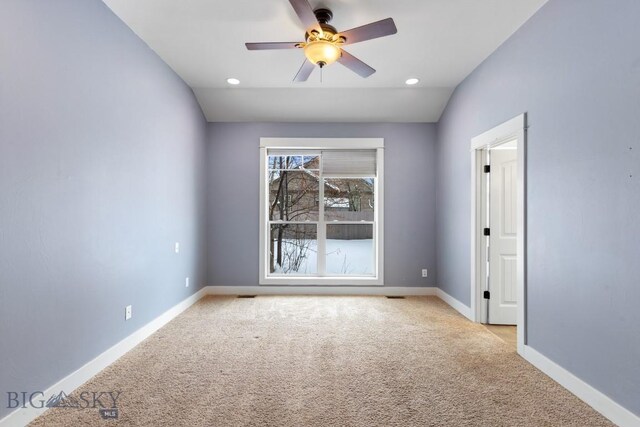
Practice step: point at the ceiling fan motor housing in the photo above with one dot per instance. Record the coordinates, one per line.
(324, 16)
(328, 30)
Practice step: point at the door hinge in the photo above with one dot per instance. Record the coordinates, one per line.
(487, 168)
(487, 295)
(487, 231)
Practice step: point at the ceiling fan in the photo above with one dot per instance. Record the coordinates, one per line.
(323, 43)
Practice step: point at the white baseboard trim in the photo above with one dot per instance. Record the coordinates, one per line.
(592, 397)
(24, 416)
(599, 401)
(321, 290)
(454, 303)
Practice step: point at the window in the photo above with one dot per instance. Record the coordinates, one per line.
(321, 211)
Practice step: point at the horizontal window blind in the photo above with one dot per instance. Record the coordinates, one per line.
(292, 152)
(345, 163)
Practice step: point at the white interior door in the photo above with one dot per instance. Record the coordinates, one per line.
(503, 235)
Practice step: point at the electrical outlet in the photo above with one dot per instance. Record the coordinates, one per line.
(177, 247)
(127, 312)
(425, 272)
(186, 282)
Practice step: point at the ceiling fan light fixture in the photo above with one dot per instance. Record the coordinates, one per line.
(412, 81)
(323, 43)
(233, 81)
(322, 52)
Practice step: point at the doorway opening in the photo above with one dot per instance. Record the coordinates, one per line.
(498, 227)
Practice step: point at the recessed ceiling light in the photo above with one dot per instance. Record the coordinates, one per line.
(233, 81)
(412, 81)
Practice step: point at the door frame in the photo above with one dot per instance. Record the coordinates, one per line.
(514, 129)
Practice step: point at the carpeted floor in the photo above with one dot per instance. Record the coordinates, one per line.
(326, 361)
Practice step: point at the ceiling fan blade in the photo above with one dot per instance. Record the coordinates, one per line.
(305, 13)
(355, 65)
(275, 45)
(386, 27)
(304, 72)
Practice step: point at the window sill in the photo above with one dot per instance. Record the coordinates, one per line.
(321, 281)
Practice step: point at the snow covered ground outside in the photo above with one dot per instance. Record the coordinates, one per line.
(344, 257)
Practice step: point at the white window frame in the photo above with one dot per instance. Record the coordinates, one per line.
(323, 144)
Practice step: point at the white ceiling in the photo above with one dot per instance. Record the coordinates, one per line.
(438, 41)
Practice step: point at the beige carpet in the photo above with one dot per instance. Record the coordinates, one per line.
(327, 361)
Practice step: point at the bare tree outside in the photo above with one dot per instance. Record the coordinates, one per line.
(293, 197)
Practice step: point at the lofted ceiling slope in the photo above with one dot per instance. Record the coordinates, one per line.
(438, 41)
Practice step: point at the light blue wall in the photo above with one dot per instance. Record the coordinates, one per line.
(575, 69)
(101, 166)
(102, 157)
(234, 178)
